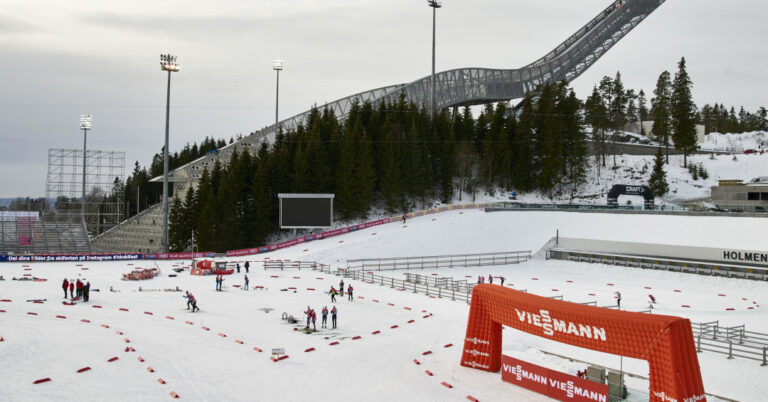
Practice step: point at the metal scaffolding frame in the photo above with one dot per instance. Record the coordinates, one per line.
(104, 201)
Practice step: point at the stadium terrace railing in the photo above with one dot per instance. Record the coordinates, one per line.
(693, 267)
(439, 261)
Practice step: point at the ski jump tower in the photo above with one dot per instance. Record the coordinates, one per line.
(463, 86)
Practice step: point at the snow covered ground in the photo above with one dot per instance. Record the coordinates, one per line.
(736, 143)
(636, 170)
(222, 352)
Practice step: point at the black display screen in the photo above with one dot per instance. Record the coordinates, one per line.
(306, 212)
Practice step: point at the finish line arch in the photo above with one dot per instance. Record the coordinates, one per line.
(624, 189)
(666, 342)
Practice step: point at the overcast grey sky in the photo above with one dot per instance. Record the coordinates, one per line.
(61, 59)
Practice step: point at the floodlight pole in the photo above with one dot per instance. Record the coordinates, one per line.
(82, 204)
(86, 122)
(167, 63)
(435, 4)
(277, 65)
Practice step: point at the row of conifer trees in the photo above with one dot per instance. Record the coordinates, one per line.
(392, 157)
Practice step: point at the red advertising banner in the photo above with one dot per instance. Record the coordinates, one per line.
(177, 256)
(554, 384)
(336, 232)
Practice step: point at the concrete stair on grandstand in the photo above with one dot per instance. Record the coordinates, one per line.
(142, 233)
(45, 237)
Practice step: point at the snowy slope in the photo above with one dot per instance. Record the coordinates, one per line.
(200, 364)
(737, 143)
(636, 170)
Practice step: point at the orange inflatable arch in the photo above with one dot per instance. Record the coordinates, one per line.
(666, 342)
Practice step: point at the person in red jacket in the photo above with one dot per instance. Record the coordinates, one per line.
(65, 285)
(79, 288)
(71, 288)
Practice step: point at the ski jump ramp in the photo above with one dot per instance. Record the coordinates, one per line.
(474, 86)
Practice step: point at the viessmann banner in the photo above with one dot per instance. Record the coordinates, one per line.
(554, 384)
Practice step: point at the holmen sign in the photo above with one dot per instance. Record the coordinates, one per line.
(730, 256)
(745, 256)
(554, 384)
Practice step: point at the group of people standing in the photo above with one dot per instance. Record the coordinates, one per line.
(247, 265)
(77, 289)
(481, 279)
(333, 292)
(219, 282)
(312, 317)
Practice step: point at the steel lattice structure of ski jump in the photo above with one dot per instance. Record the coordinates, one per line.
(104, 202)
(471, 86)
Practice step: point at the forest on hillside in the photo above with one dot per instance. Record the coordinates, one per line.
(398, 156)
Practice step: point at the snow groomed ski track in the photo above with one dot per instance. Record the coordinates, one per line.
(223, 351)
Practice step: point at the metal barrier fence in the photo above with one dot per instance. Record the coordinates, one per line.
(440, 261)
(733, 341)
(404, 285)
(693, 267)
(295, 265)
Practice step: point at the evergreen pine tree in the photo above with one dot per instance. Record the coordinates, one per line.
(189, 216)
(548, 143)
(365, 175)
(617, 108)
(523, 161)
(658, 180)
(683, 112)
(642, 109)
(574, 143)
(177, 238)
(344, 201)
(391, 176)
(661, 111)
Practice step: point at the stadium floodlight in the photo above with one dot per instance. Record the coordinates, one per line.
(86, 123)
(167, 63)
(277, 65)
(435, 4)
